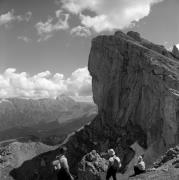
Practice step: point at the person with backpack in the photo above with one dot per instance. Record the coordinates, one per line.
(114, 165)
(61, 166)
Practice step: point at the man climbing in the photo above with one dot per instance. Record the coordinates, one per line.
(114, 165)
(63, 168)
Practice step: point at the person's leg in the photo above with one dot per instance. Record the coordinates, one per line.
(61, 174)
(136, 170)
(141, 171)
(58, 175)
(67, 175)
(114, 172)
(114, 176)
(108, 175)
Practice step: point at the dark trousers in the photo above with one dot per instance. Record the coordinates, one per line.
(137, 170)
(63, 174)
(111, 172)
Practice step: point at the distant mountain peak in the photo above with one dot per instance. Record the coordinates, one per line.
(65, 98)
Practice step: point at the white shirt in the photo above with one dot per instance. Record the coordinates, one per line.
(141, 165)
(63, 162)
(111, 160)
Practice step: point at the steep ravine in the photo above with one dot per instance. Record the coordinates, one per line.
(136, 88)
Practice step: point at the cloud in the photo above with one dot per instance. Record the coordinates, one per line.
(81, 31)
(10, 17)
(24, 38)
(79, 84)
(110, 15)
(177, 45)
(28, 16)
(47, 29)
(45, 84)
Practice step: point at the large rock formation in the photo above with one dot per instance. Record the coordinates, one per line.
(136, 88)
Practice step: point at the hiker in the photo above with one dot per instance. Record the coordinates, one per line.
(61, 166)
(140, 166)
(114, 165)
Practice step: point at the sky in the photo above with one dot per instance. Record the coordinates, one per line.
(44, 44)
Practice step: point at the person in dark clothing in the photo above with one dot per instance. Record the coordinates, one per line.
(112, 168)
(63, 172)
(111, 173)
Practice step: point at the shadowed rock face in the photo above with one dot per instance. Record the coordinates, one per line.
(136, 88)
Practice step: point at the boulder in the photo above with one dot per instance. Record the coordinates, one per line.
(92, 167)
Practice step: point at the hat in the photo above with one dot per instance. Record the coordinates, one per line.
(111, 152)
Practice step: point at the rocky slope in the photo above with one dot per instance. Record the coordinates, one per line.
(93, 166)
(14, 154)
(166, 168)
(136, 88)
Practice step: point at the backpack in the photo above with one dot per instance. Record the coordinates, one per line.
(56, 164)
(117, 163)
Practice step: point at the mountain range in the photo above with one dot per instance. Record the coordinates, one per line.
(43, 118)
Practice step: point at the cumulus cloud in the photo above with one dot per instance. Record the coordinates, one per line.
(24, 38)
(110, 15)
(81, 31)
(79, 82)
(10, 17)
(177, 45)
(47, 29)
(45, 84)
(28, 16)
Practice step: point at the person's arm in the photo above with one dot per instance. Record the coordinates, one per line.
(119, 161)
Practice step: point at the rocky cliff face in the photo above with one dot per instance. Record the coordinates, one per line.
(136, 88)
(15, 154)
